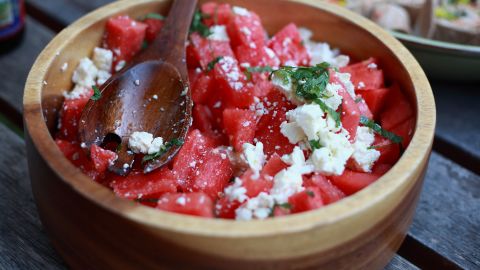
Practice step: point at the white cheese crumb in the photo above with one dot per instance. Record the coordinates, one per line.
(255, 208)
(181, 201)
(85, 73)
(155, 146)
(236, 191)
(219, 33)
(332, 158)
(240, 11)
(361, 85)
(155, 97)
(103, 59)
(121, 64)
(364, 157)
(139, 142)
(77, 92)
(103, 76)
(372, 66)
(347, 83)
(137, 82)
(253, 155)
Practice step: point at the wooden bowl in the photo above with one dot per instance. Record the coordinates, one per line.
(93, 229)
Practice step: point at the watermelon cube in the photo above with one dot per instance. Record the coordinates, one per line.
(216, 14)
(287, 45)
(194, 204)
(365, 75)
(231, 83)
(154, 26)
(212, 174)
(124, 36)
(306, 200)
(375, 99)
(350, 181)
(246, 30)
(225, 208)
(328, 191)
(102, 158)
(202, 88)
(397, 109)
(70, 115)
(240, 126)
(206, 50)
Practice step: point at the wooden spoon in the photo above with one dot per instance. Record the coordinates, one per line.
(150, 94)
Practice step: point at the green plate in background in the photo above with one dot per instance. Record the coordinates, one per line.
(444, 60)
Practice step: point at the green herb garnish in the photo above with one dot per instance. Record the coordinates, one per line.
(310, 193)
(147, 200)
(285, 205)
(197, 24)
(358, 100)
(96, 93)
(155, 16)
(163, 150)
(335, 115)
(315, 144)
(212, 63)
(379, 130)
(249, 70)
(144, 45)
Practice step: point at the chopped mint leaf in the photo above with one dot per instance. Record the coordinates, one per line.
(285, 205)
(379, 130)
(335, 115)
(147, 200)
(154, 16)
(212, 63)
(144, 45)
(96, 93)
(315, 144)
(163, 150)
(249, 70)
(358, 100)
(197, 24)
(310, 193)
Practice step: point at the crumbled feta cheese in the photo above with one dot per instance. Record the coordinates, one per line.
(333, 99)
(292, 131)
(236, 191)
(218, 32)
(372, 66)
(321, 52)
(332, 158)
(103, 59)
(286, 183)
(361, 85)
(103, 76)
(121, 64)
(139, 142)
(240, 11)
(136, 82)
(85, 73)
(347, 83)
(77, 92)
(155, 97)
(155, 146)
(253, 155)
(309, 118)
(363, 156)
(259, 207)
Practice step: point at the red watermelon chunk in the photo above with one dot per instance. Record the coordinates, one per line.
(231, 83)
(287, 45)
(154, 26)
(216, 14)
(350, 181)
(240, 126)
(70, 117)
(350, 114)
(257, 57)
(202, 88)
(213, 174)
(185, 163)
(389, 151)
(206, 50)
(137, 185)
(397, 109)
(363, 107)
(365, 75)
(101, 158)
(375, 99)
(246, 30)
(381, 169)
(194, 204)
(405, 130)
(329, 192)
(79, 158)
(306, 200)
(268, 128)
(124, 36)
(264, 181)
(224, 208)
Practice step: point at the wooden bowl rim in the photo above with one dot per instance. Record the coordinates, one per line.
(411, 161)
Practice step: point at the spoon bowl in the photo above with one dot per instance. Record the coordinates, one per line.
(151, 94)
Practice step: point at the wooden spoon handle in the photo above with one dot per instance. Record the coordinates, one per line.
(170, 45)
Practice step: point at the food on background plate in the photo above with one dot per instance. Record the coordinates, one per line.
(455, 21)
(281, 124)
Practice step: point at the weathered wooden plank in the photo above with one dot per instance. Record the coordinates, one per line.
(458, 122)
(16, 65)
(399, 263)
(23, 243)
(60, 13)
(447, 219)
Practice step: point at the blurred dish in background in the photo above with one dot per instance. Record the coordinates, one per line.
(444, 35)
(12, 23)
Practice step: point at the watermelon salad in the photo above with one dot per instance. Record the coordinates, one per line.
(282, 124)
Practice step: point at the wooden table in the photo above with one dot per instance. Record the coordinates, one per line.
(446, 230)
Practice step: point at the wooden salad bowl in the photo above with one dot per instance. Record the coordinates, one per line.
(93, 229)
